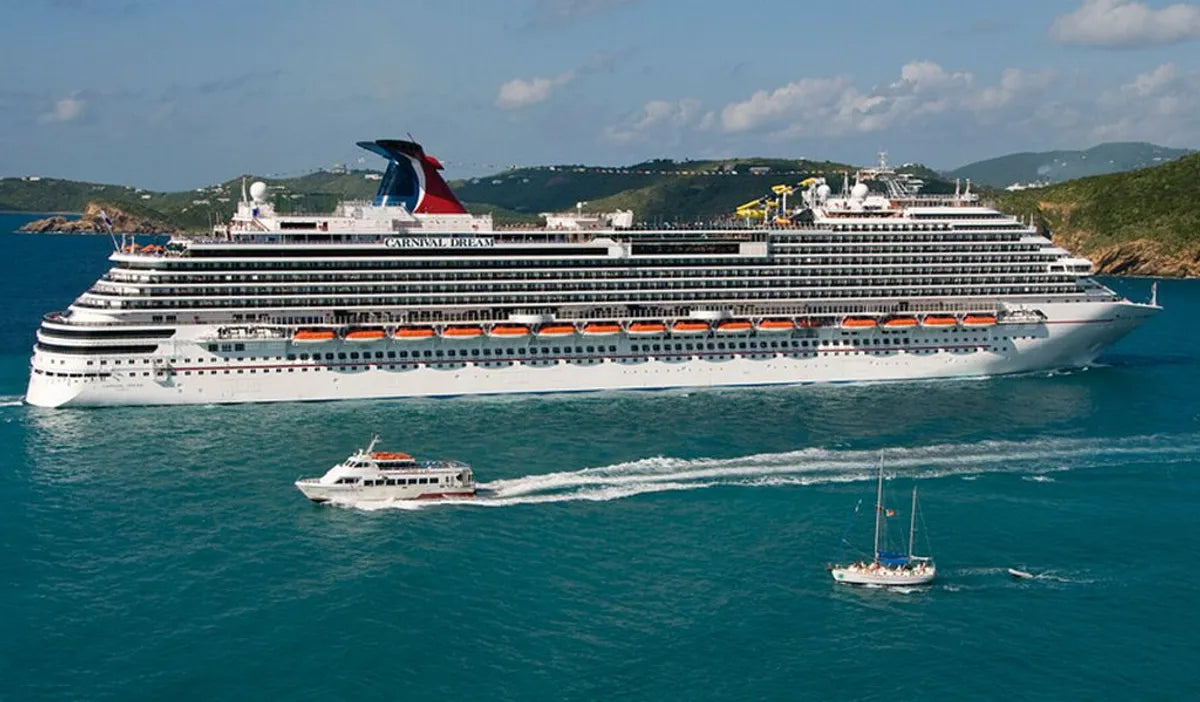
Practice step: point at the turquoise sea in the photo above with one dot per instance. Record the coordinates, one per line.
(659, 545)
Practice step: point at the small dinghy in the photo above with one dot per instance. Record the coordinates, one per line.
(1020, 574)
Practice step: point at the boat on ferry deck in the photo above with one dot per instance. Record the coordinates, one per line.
(386, 476)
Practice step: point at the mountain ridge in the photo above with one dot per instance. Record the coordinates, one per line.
(1063, 165)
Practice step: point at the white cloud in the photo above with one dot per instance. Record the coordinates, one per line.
(1157, 106)
(518, 93)
(834, 106)
(1121, 23)
(657, 120)
(1013, 84)
(67, 109)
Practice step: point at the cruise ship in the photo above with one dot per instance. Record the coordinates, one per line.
(410, 295)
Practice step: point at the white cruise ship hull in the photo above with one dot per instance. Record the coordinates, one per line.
(183, 371)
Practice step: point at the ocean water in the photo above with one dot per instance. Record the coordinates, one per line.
(659, 545)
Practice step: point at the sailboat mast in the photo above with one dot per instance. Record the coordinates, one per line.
(912, 523)
(878, 508)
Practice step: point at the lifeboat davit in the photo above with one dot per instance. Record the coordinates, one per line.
(689, 328)
(312, 336)
(555, 331)
(808, 323)
(362, 335)
(900, 322)
(939, 320)
(509, 331)
(412, 334)
(859, 323)
(734, 326)
(601, 329)
(776, 325)
(646, 328)
(462, 332)
(979, 320)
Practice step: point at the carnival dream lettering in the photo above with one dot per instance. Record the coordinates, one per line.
(440, 242)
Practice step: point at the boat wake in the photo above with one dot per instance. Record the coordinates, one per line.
(11, 400)
(1031, 459)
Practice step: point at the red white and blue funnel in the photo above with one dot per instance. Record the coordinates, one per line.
(412, 179)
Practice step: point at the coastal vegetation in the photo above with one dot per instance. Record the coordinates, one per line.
(1143, 222)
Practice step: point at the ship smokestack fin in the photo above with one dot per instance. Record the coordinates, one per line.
(412, 179)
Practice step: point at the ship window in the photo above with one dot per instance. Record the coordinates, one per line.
(239, 347)
(329, 357)
(379, 354)
(291, 357)
(342, 355)
(212, 348)
(354, 355)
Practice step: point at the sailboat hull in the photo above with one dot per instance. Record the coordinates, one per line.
(885, 577)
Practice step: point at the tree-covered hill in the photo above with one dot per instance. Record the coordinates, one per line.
(1144, 222)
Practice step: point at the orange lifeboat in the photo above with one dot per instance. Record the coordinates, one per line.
(859, 323)
(979, 320)
(646, 328)
(312, 336)
(734, 326)
(601, 329)
(509, 331)
(939, 320)
(360, 335)
(412, 334)
(689, 328)
(900, 322)
(556, 331)
(462, 332)
(776, 325)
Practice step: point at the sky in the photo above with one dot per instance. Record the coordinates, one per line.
(179, 94)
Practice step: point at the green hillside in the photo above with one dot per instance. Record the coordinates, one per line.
(1059, 166)
(660, 190)
(1145, 222)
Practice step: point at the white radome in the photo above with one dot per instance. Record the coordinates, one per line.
(258, 191)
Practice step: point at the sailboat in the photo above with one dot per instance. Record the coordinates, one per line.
(887, 568)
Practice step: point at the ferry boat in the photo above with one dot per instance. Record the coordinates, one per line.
(384, 476)
(410, 295)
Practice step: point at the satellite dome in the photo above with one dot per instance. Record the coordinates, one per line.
(823, 191)
(859, 191)
(258, 191)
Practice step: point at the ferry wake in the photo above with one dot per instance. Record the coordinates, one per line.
(410, 295)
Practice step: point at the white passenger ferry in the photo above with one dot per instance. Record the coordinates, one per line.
(410, 295)
(385, 476)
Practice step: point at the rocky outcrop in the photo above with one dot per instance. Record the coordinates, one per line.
(1146, 257)
(91, 222)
